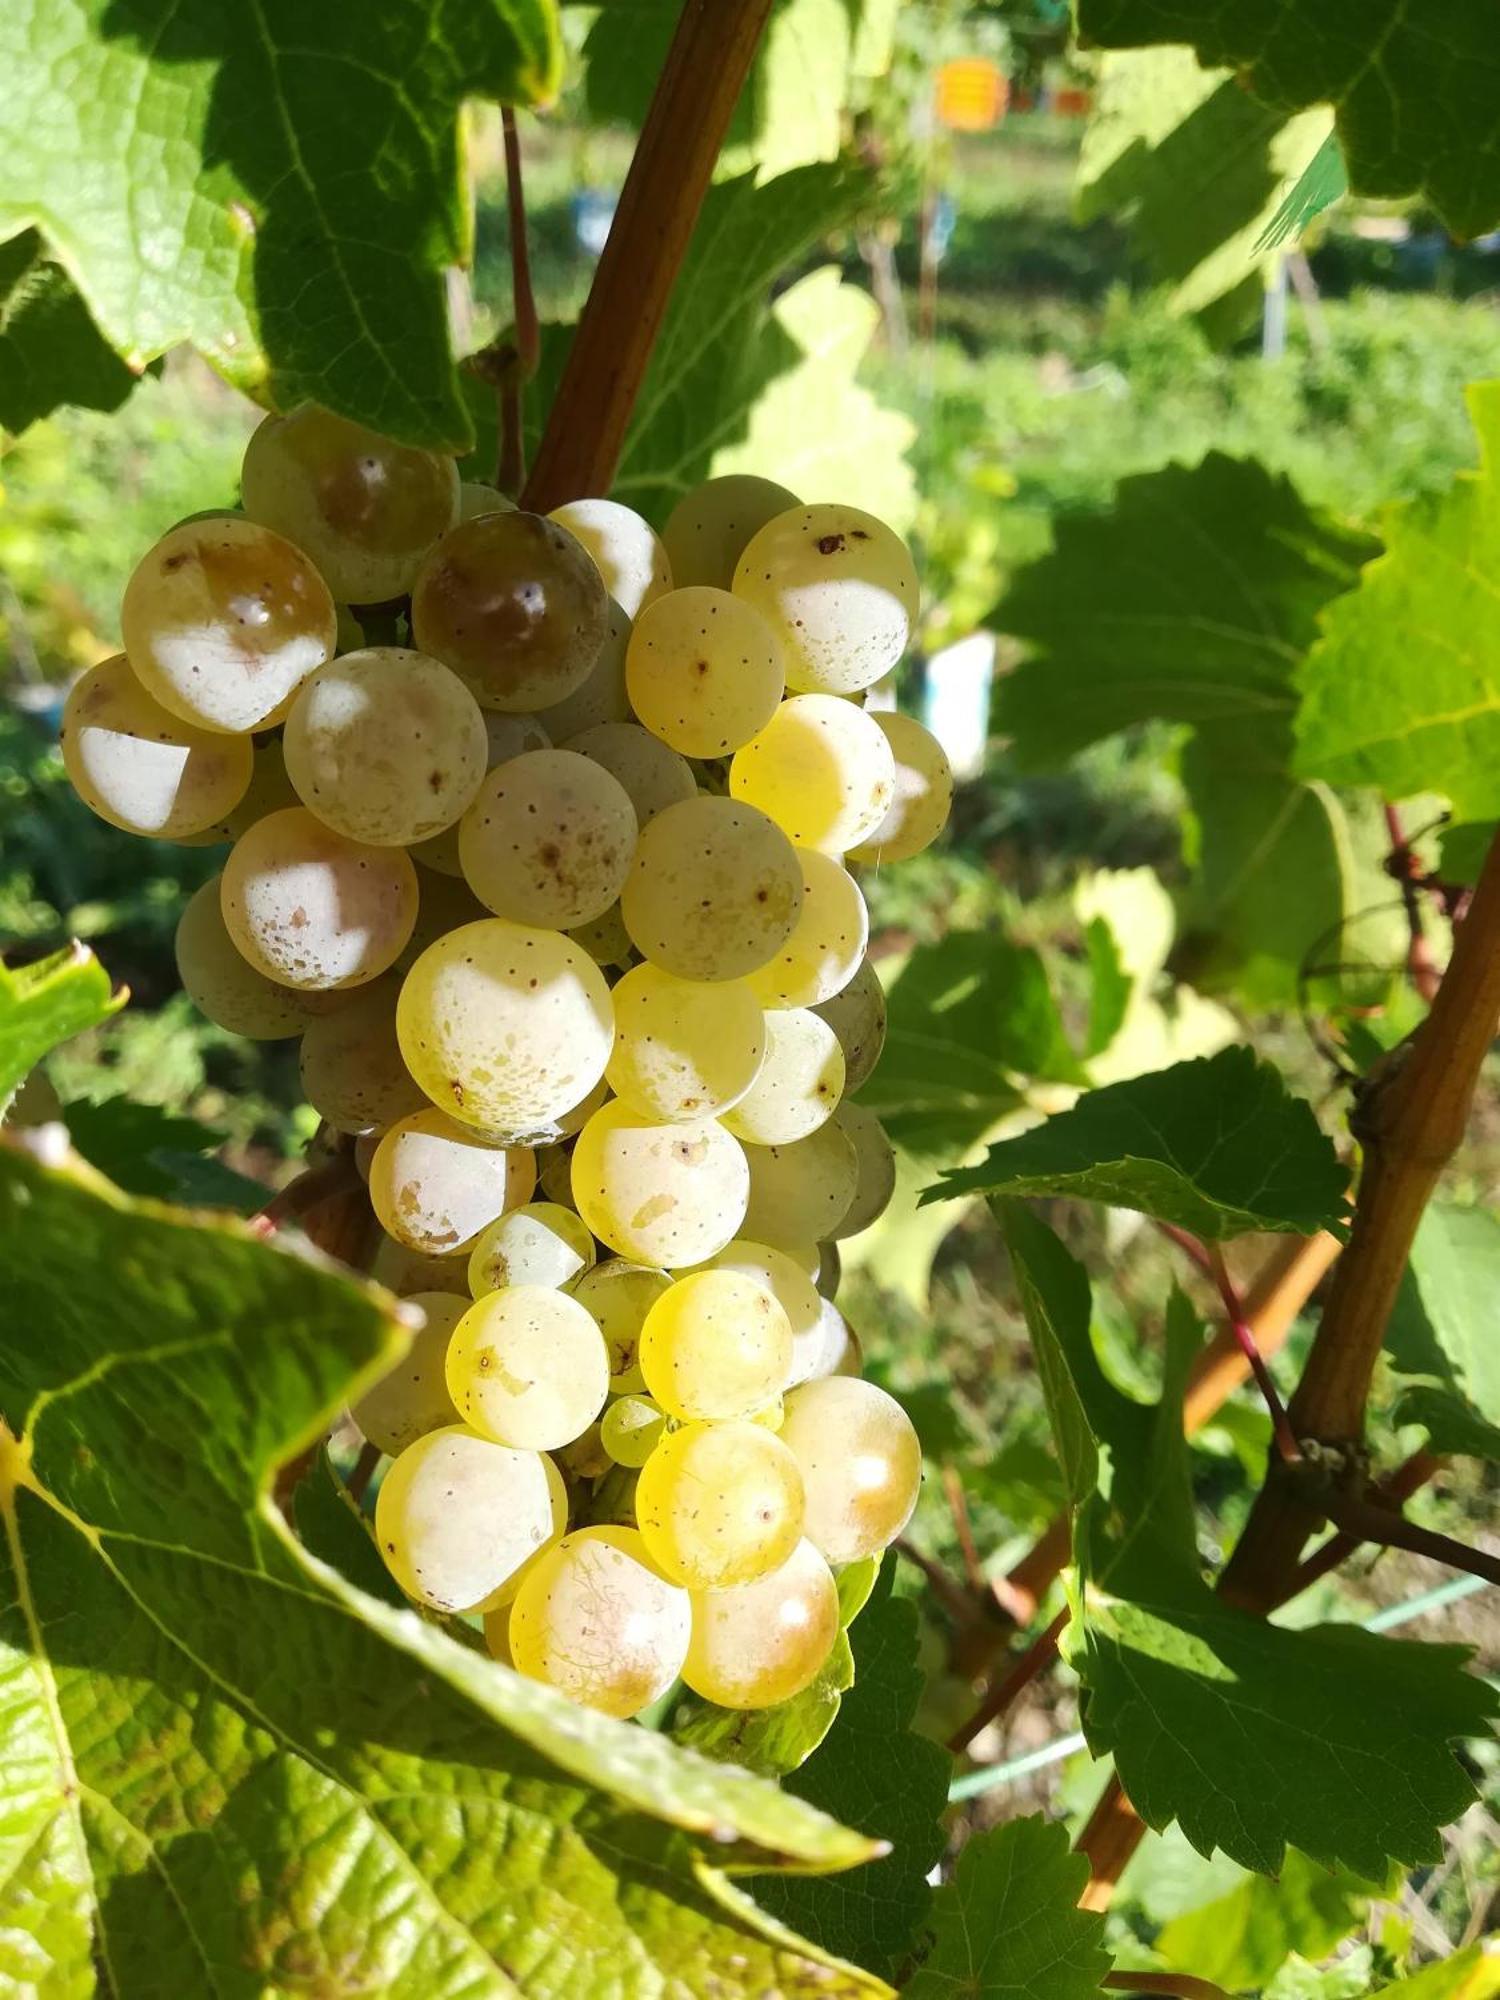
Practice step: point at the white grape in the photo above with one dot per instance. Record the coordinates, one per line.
(618, 1295)
(798, 1086)
(781, 1275)
(309, 907)
(409, 1273)
(708, 529)
(601, 697)
(141, 767)
(684, 1049)
(653, 776)
(715, 1345)
(714, 891)
(857, 1015)
(605, 939)
(821, 769)
(800, 1191)
(528, 1367)
(221, 982)
(457, 1515)
(626, 550)
(412, 1398)
(540, 1243)
(827, 944)
(704, 671)
(720, 1504)
(876, 1161)
(350, 1062)
(548, 840)
(861, 1465)
(762, 1643)
(839, 589)
(664, 1195)
(597, 1619)
(476, 498)
(919, 808)
(506, 736)
(630, 1430)
(832, 1348)
(434, 1184)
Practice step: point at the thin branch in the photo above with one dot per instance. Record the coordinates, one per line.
(1038, 1656)
(363, 1471)
(1189, 1245)
(953, 1595)
(1403, 865)
(1392, 1492)
(1244, 1338)
(517, 360)
(1182, 1984)
(963, 1527)
(1113, 1833)
(706, 66)
(1368, 1522)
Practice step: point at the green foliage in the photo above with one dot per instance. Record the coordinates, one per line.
(1007, 1927)
(1415, 91)
(50, 350)
(1241, 1940)
(193, 1699)
(46, 1003)
(876, 1774)
(1441, 1331)
(1250, 1736)
(278, 185)
(1404, 692)
(146, 1150)
(1218, 1146)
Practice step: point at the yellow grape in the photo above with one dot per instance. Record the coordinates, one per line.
(626, 550)
(763, 1642)
(703, 671)
(365, 508)
(821, 769)
(385, 745)
(409, 1272)
(659, 1194)
(720, 1504)
(506, 736)
(540, 1243)
(684, 1048)
(784, 1278)
(714, 891)
(596, 1619)
(412, 1399)
(514, 605)
(827, 944)
(708, 529)
(918, 812)
(653, 776)
(618, 1296)
(876, 1160)
(221, 982)
(860, 1461)
(548, 840)
(476, 498)
(309, 907)
(141, 767)
(801, 1191)
(599, 698)
(350, 1062)
(528, 1367)
(798, 1086)
(506, 1028)
(631, 1429)
(223, 620)
(856, 1015)
(457, 1515)
(435, 1184)
(839, 589)
(715, 1345)
(831, 1348)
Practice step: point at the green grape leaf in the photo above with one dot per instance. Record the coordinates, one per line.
(1250, 1736)
(51, 352)
(875, 1773)
(280, 186)
(1190, 600)
(331, 1527)
(230, 1768)
(1462, 849)
(1471, 1974)
(1161, 124)
(1442, 1331)
(1403, 691)
(47, 1003)
(967, 1017)
(1240, 1940)
(147, 1150)
(1415, 90)
(1008, 1926)
(1218, 1146)
(1110, 986)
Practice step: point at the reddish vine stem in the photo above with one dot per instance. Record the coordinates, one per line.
(1421, 966)
(706, 66)
(312, 1187)
(958, 1507)
(363, 1471)
(1182, 1984)
(1038, 1656)
(1244, 1338)
(519, 363)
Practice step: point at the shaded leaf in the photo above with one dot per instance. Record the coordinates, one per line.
(1240, 1940)
(330, 1527)
(47, 1003)
(1462, 849)
(1110, 986)
(50, 350)
(1442, 1330)
(147, 1150)
(1008, 1926)
(1218, 1146)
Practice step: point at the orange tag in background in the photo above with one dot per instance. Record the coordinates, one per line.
(971, 94)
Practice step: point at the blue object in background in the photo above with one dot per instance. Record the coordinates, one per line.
(593, 212)
(940, 231)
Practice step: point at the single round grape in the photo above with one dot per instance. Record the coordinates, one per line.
(408, 1273)
(458, 1514)
(840, 591)
(653, 776)
(861, 1465)
(412, 1399)
(585, 1458)
(600, 698)
(708, 529)
(763, 1642)
(476, 498)
(923, 797)
(830, 1270)
(597, 1620)
(876, 1160)
(856, 1015)
(720, 1504)
(350, 1061)
(365, 508)
(715, 1345)
(631, 1428)
(221, 982)
(514, 605)
(684, 1048)
(714, 891)
(605, 939)
(548, 840)
(659, 1194)
(831, 1349)
(434, 1184)
(309, 907)
(703, 671)
(800, 1191)
(539, 1243)
(223, 620)
(528, 1367)
(827, 944)
(799, 1084)
(504, 1027)
(617, 1296)
(626, 550)
(506, 736)
(141, 767)
(821, 769)
(385, 745)
(783, 1277)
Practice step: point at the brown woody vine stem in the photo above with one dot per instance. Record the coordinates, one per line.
(659, 203)
(1182, 1985)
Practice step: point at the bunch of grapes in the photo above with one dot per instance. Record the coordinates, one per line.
(553, 882)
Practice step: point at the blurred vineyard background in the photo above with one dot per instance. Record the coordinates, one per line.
(990, 355)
